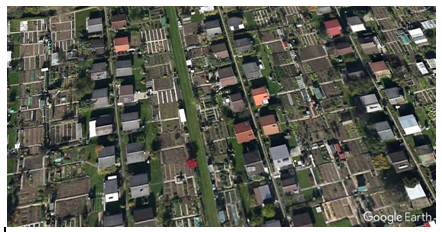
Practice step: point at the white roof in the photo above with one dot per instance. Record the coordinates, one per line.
(189, 62)
(418, 36)
(432, 63)
(241, 26)
(409, 124)
(182, 114)
(92, 131)
(9, 56)
(416, 192)
(430, 24)
(204, 9)
(422, 68)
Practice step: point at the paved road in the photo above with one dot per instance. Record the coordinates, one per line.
(264, 149)
(424, 177)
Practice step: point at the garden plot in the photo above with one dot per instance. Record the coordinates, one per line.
(155, 107)
(424, 98)
(64, 133)
(380, 200)
(286, 71)
(31, 89)
(338, 209)
(73, 188)
(321, 156)
(167, 97)
(72, 207)
(199, 79)
(281, 58)
(173, 164)
(64, 45)
(31, 181)
(217, 131)
(380, 12)
(332, 89)
(333, 191)
(169, 110)
(156, 41)
(293, 104)
(33, 162)
(261, 17)
(63, 112)
(33, 136)
(29, 76)
(62, 36)
(29, 37)
(32, 116)
(64, 97)
(350, 186)
(269, 36)
(276, 47)
(27, 50)
(291, 10)
(391, 36)
(30, 102)
(342, 132)
(28, 215)
(168, 140)
(68, 171)
(170, 125)
(64, 26)
(327, 173)
(319, 70)
(387, 24)
(359, 164)
(373, 183)
(158, 59)
(220, 147)
(199, 52)
(431, 111)
(356, 148)
(158, 71)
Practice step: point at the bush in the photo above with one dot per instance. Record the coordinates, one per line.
(268, 211)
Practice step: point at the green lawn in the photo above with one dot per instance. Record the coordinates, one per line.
(80, 21)
(272, 86)
(97, 180)
(431, 132)
(15, 25)
(319, 219)
(238, 150)
(243, 191)
(92, 219)
(341, 223)
(15, 38)
(13, 78)
(12, 136)
(11, 165)
(15, 51)
(196, 17)
(192, 119)
(156, 176)
(265, 60)
(303, 178)
(138, 63)
(250, 20)
(13, 94)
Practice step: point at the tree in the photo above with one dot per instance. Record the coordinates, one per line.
(268, 211)
(380, 163)
(410, 182)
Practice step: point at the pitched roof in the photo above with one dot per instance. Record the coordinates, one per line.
(113, 220)
(133, 147)
(333, 27)
(108, 161)
(262, 193)
(416, 192)
(97, 43)
(424, 149)
(242, 127)
(121, 41)
(279, 152)
(251, 69)
(381, 126)
(191, 28)
(267, 120)
(139, 179)
(212, 24)
(234, 21)
(303, 219)
(354, 20)
(408, 121)
(258, 91)
(369, 99)
(392, 93)
(272, 223)
(218, 47)
(99, 93)
(145, 214)
(95, 21)
(397, 156)
(126, 90)
(110, 186)
(107, 151)
(120, 17)
(378, 66)
(98, 67)
(235, 97)
(225, 72)
(129, 116)
(123, 63)
(384, 130)
(242, 42)
(104, 120)
(251, 157)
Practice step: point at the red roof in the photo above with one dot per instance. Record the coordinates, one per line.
(378, 66)
(338, 148)
(342, 156)
(333, 27)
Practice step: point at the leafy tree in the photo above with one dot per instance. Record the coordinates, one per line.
(268, 211)
(380, 163)
(410, 182)
(375, 146)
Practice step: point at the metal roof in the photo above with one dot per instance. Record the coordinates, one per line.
(430, 24)
(408, 121)
(369, 99)
(392, 93)
(133, 147)
(139, 179)
(113, 220)
(279, 152)
(110, 186)
(107, 151)
(129, 116)
(416, 192)
(99, 93)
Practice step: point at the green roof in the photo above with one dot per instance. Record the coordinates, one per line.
(362, 188)
(405, 39)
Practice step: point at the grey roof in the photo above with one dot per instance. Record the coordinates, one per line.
(408, 121)
(392, 93)
(131, 125)
(107, 151)
(265, 192)
(110, 186)
(107, 161)
(234, 21)
(97, 43)
(104, 120)
(242, 42)
(354, 20)
(139, 179)
(369, 99)
(133, 147)
(95, 21)
(123, 63)
(251, 157)
(95, 25)
(98, 67)
(126, 90)
(225, 72)
(101, 102)
(123, 72)
(141, 215)
(218, 47)
(251, 69)
(130, 116)
(397, 156)
(212, 24)
(235, 97)
(99, 93)
(384, 130)
(139, 185)
(279, 152)
(302, 220)
(113, 220)
(424, 149)
(273, 223)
